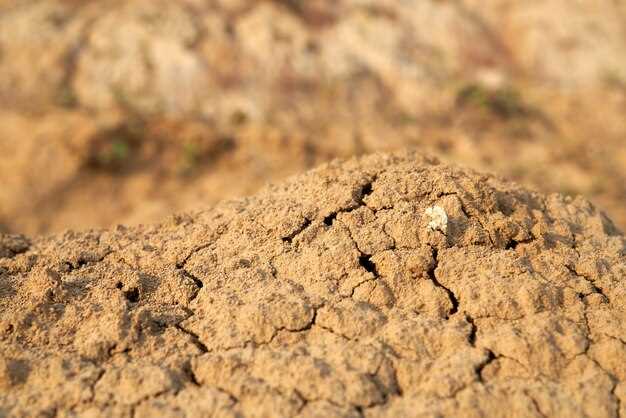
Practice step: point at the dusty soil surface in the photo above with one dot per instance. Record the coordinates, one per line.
(379, 287)
(126, 111)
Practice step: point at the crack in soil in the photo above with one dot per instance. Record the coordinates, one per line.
(289, 238)
(432, 276)
(195, 339)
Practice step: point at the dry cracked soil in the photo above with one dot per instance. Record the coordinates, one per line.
(126, 111)
(331, 294)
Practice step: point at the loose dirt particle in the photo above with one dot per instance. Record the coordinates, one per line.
(315, 298)
(438, 219)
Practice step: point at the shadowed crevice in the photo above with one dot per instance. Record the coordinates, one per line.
(288, 239)
(431, 275)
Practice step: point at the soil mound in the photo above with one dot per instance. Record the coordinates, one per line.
(380, 287)
(126, 111)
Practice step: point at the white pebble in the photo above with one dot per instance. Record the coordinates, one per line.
(438, 219)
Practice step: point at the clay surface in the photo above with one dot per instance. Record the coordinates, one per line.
(325, 296)
(126, 111)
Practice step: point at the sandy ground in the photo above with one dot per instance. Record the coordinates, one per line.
(125, 112)
(386, 286)
(383, 287)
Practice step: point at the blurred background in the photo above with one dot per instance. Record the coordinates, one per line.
(126, 111)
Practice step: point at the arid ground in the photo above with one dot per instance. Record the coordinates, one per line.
(336, 293)
(312, 209)
(128, 111)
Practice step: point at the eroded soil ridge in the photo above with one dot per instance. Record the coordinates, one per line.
(328, 295)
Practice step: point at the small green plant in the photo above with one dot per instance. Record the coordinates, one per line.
(504, 102)
(120, 150)
(116, 153)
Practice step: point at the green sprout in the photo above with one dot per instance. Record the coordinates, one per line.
(115, 154)
(505, 102)
(120, 150)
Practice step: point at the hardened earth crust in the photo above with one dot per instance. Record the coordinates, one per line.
(387, 286)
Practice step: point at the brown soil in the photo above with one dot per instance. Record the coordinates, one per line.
(127, 111)
(333, 294)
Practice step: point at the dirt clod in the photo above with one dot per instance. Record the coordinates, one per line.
(12, 244)
(326, 295)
